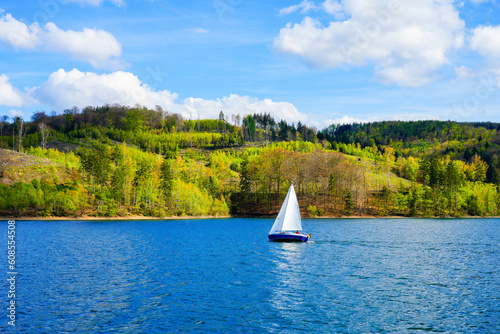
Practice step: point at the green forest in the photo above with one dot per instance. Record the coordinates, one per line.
(118, 161)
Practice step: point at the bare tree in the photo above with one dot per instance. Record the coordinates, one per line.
(21, 132)
(44, 133)
(238, 119)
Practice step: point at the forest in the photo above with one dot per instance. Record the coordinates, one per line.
(118, 161)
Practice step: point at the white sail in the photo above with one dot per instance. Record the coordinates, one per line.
(289, 216)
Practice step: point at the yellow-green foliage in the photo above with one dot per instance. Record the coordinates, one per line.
(189, 200)
(200, 183)
(220, 163)
(69, 160)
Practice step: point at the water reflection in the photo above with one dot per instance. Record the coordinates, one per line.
(287, 294)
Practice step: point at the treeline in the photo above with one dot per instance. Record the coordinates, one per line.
(330, 183)
(155, 130)
(459, 141)
(407, 132)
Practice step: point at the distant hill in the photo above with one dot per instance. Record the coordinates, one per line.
(426, 139)
(120, 161)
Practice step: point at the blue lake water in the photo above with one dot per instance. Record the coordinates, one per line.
(222, 275)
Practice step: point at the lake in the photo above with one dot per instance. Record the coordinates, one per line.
(222, 275)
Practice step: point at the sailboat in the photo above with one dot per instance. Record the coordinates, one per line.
(288, 225)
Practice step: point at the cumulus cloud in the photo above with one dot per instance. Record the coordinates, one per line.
(17, 34)
(486, 41)
(65, 89)
(405, 41)
(303, 7)
(97, 47)
(334, 8)
(236, 104)
(9, 95)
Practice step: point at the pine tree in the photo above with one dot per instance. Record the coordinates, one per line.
(167, 178)
(348, 203)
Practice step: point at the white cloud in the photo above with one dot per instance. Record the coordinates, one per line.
(95, 46)
(66, 89)
(346, 119)
(10, 96)
(236, 104)
(17, 34)
(416, 117)
(13, 113)
(486, 41)
(304, 7)
(334, 8)
(405, 41)
(98, 47)
(463, 72)
(119, 3)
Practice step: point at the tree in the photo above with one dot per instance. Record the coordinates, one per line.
(389, 159)
(277, 158)
(143, 183)
(244, 176)
(134, 120)
(44, 133)
(332, 187)
(479, 169)
(249, 125)
(3, 121)
(385, 193)
(101, 163)
(69, 118)
(348, 203)
(495, 169)
(21, 132)
(96, 162)
(167, 177)
(119, 176)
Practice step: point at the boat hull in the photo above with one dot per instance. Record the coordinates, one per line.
(288, 237)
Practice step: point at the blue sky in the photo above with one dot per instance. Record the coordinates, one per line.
(319, 62)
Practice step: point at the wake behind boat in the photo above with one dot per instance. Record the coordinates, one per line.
(288, 225)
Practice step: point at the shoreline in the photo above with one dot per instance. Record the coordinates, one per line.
(114, 218)
(91, 218)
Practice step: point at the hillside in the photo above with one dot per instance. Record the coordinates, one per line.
(119, 161)
(426, 139)
(22, 167)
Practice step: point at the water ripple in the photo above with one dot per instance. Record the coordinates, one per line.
(354, 276)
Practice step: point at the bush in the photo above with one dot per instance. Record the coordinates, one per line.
(313, 211)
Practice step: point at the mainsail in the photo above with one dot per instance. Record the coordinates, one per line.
(289, 216)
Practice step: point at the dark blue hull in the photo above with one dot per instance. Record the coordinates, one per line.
(288, 237)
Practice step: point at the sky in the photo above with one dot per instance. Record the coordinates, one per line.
(318, 62)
